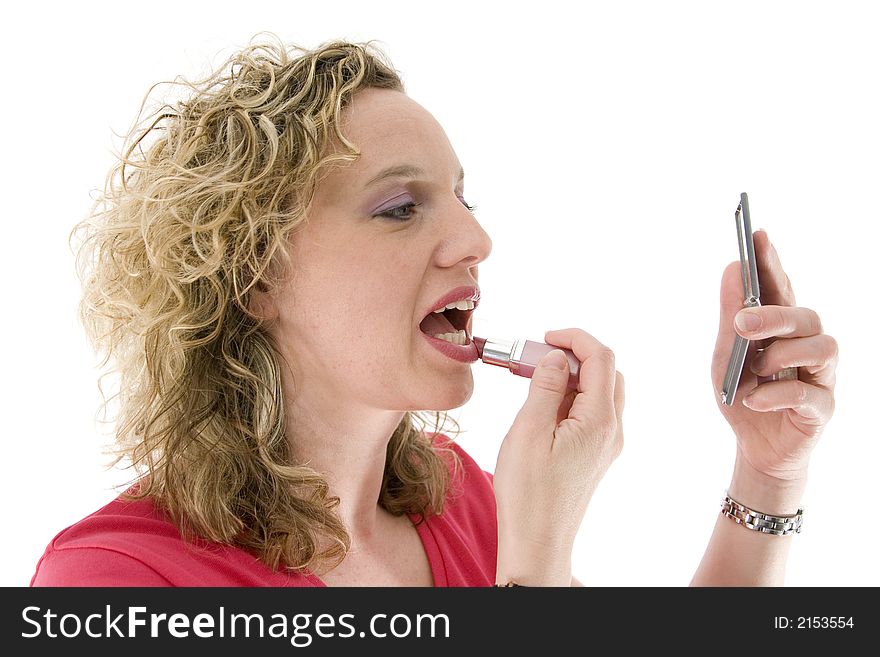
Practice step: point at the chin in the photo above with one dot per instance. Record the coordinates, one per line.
(447, 397)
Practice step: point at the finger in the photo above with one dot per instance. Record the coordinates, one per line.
(731, 302)
(565, 406)
(731, 294)
(775, 285)
(547, 388)
(619, 401)
(816, 356)
(770, 321)
(812, 406)
(596, 376)
(619, 396)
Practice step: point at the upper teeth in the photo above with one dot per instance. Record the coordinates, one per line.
(461, 304)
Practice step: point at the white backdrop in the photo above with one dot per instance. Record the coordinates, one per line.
(605, 147)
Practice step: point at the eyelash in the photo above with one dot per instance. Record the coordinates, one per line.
(407, 206)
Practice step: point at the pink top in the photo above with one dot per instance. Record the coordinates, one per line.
(132, 543)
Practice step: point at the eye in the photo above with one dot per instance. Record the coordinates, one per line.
(402, 212)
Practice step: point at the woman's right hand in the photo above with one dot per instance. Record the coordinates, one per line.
(557, 450)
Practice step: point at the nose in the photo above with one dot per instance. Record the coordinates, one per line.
(464, 239)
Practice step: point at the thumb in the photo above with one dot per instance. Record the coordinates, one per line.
(546, 391)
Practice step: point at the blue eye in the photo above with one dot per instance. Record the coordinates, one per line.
(402, 212)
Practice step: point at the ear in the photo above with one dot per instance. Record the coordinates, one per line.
(262, 304)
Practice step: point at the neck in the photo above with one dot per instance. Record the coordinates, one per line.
(348, 446)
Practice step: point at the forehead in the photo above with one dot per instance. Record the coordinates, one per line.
(390, 128)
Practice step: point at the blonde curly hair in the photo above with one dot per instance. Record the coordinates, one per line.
(194, 214)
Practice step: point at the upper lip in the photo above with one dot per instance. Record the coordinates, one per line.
(471, 292)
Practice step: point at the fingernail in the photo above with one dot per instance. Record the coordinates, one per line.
(747, 401)
(758, 363)
(555, 359)
(748, 321)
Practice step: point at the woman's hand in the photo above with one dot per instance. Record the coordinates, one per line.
(558, 449)
(776, 423)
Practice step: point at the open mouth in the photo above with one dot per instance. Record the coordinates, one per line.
(452, 325)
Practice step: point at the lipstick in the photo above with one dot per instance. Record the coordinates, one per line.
(521, 357)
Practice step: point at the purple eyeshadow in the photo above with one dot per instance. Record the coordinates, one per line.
(393, 203)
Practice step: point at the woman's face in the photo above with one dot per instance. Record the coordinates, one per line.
(368, 267)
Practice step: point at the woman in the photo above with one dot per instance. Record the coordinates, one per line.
(265, 274)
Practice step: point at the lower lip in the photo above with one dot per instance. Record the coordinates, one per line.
(463, 353)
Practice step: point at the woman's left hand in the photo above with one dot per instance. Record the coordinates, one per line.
(776, 423)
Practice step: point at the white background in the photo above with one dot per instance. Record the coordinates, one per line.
(605, 147)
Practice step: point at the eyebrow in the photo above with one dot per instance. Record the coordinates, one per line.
(402, 171)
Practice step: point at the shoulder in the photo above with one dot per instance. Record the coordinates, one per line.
(132, 543)
(106, 548)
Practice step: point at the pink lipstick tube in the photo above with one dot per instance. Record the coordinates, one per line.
(521, 357)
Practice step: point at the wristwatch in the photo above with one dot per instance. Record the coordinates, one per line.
(761, 522)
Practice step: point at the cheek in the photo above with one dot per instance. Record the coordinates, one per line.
(351, 301)
(346, 317)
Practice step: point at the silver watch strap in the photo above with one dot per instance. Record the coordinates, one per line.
(761, 522)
